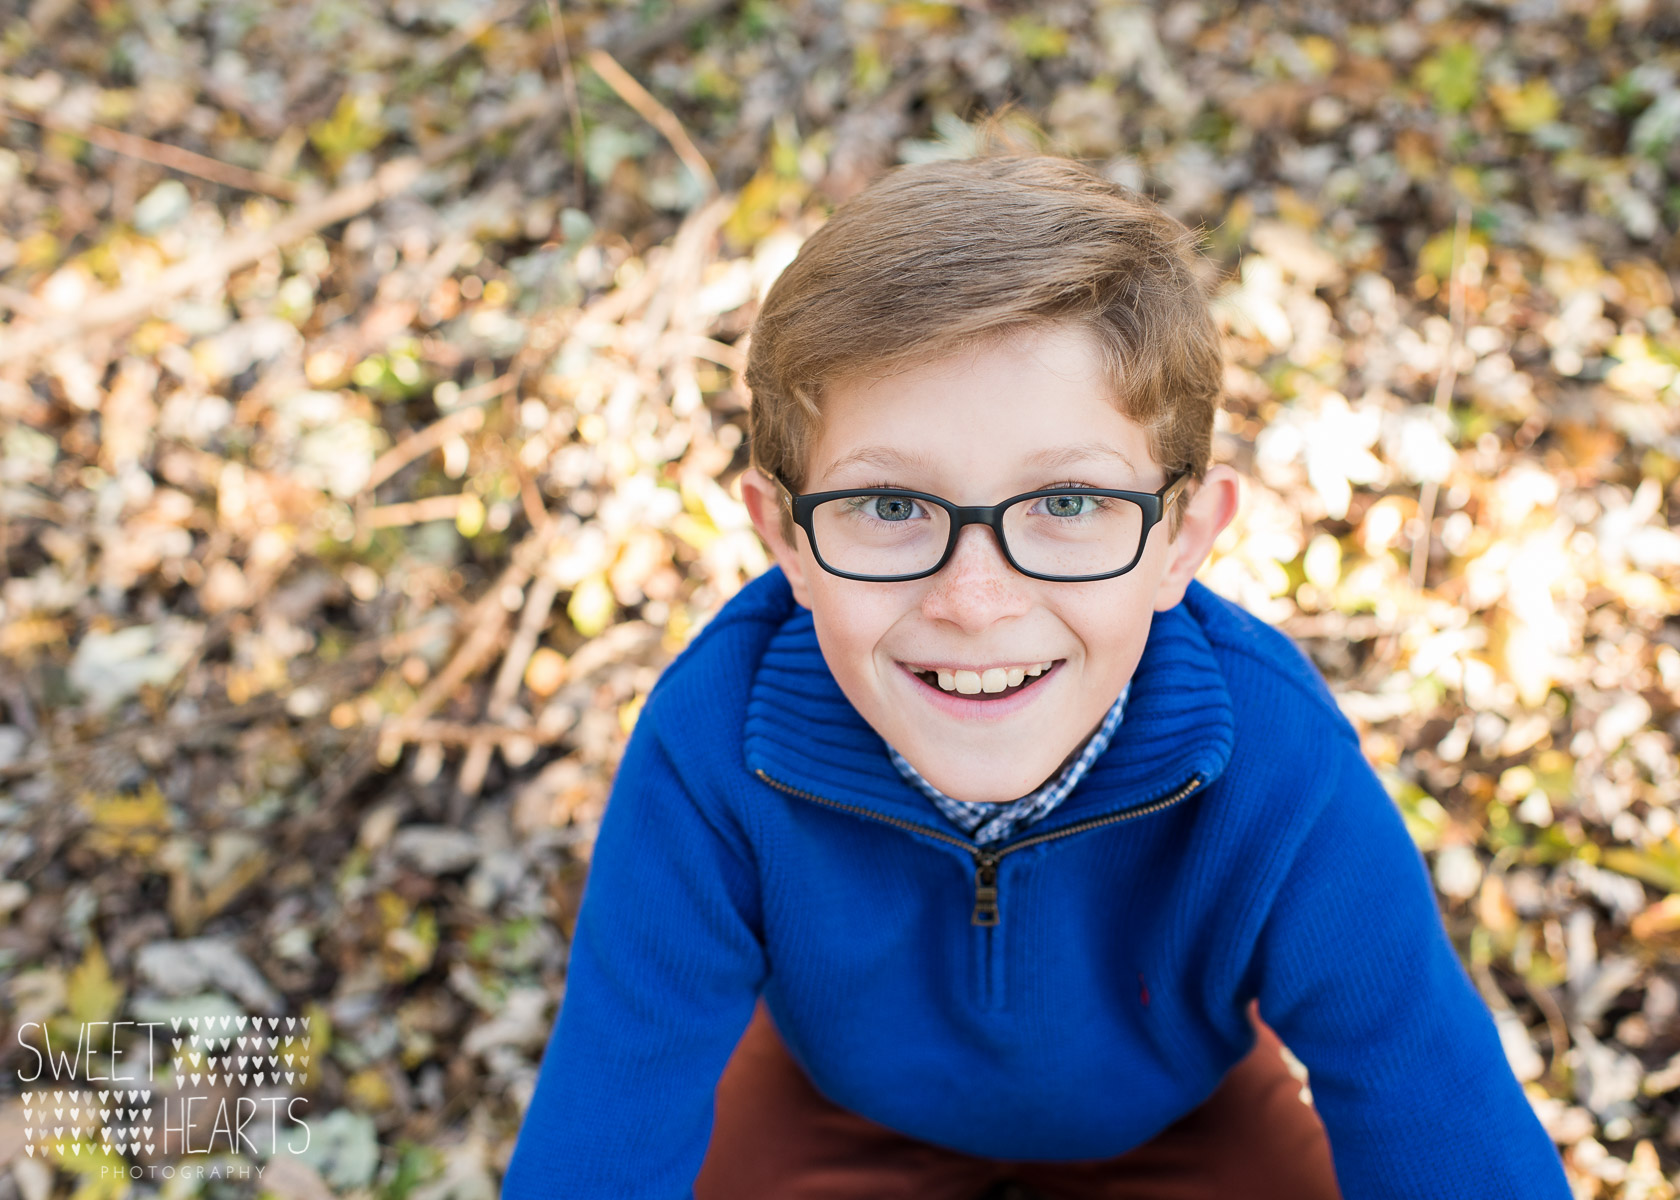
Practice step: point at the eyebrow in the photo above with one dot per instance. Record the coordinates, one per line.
(1058, 456)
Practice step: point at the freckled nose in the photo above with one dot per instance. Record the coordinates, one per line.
(978, 585)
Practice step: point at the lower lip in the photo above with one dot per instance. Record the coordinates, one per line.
(955, 704)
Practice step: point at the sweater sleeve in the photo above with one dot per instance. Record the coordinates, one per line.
(1359, 979)
(666, 965)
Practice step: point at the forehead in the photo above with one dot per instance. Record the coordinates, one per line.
(894, 458)
(1033, 402)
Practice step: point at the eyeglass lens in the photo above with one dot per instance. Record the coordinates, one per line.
(874, 534)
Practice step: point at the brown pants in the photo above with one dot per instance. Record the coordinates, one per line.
(775, 1137)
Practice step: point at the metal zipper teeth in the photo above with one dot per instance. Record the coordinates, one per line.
(985, 861)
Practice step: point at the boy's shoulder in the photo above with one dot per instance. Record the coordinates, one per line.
(1249, 650)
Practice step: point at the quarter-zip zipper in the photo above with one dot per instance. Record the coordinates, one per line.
(986, 911)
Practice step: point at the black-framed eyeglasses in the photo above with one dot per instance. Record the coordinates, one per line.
(1059, 534)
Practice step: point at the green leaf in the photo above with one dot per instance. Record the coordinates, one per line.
(356, 125)
(1035, 40)
(1657, 127)
(1658, 865)
(1425, 819)
(1451, 76)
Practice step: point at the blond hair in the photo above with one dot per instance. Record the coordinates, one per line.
(936, 257)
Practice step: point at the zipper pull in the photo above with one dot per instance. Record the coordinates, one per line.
(985, 890)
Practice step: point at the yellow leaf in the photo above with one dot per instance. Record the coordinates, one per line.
(39, 249)
(678, 629)
(1525, 109)
(919, 14)
(318, 1038)
(628, 712)
(1322, 562)
(591, 606)
(870, 72)
(127, 826)
(1296, 210)
(766, 197)
(94, 995)
(1437, 254)
(1320, 52)
(368, 1090)
(697, 531)
(469, 517)
(1528, 660)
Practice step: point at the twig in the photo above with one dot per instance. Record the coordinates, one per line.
(1444, 384)
(568, 82)
(530, 497)
(161, 154)
(485, 621)
(142, 299)
(655, 114)
(413, 512)
(466, 417)
(469, 33)
(1556, 1026)
(700, 346)
(337, 782)
(20, 301)
(679, 276)
(459, 733)
(139, 300)
(539, 602)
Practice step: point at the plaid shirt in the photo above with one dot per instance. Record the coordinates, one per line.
(987, 823)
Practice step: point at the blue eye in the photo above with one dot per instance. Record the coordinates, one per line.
(1072, 505)
(884, 508)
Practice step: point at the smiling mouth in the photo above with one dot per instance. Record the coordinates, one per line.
(971, 685)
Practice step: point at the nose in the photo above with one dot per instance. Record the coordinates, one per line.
(977, 586)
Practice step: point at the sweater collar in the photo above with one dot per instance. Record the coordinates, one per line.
(804, 734)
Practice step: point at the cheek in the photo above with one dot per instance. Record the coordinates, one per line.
(850, 627)
(1113, 623)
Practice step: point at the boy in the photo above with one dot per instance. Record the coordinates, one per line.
(1011, 828)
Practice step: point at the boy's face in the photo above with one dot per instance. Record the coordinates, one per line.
(968, 428)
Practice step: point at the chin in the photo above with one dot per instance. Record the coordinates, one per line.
(981, 787)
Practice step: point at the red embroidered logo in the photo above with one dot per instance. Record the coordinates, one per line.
(1143, 989)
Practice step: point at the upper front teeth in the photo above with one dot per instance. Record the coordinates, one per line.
(995, 679)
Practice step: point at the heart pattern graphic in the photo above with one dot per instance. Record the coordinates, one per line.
(195, 1060)
(81, 1107)
(252, 1050)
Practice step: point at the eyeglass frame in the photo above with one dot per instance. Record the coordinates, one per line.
(1153, 504)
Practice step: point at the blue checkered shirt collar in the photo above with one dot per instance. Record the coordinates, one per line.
(987, 823)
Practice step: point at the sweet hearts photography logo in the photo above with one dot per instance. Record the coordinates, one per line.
(244, 1065)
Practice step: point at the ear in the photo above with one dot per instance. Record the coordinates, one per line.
(763, 501)
(1210, 508)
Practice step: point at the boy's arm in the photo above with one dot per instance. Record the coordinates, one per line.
(1359, 979)
(666, 965)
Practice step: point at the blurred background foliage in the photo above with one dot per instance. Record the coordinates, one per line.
(369, 424)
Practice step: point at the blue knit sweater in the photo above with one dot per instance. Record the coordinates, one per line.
(1064, 995)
